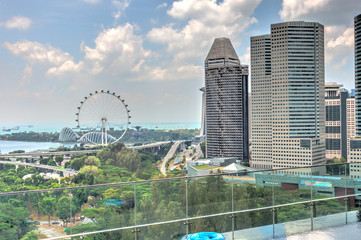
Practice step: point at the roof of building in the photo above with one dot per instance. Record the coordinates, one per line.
(222, 48)
(234, 168)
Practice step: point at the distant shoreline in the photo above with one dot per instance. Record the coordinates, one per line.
(56, 127)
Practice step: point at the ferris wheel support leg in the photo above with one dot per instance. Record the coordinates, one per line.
(105, 132)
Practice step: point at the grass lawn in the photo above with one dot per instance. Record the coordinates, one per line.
(203, 167)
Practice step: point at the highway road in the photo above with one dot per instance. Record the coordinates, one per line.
(37, 154)
(198, 153)
(66, 173)
(172, 151)
(170, 154)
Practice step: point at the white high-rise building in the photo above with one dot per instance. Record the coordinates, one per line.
(297, 96)
(261, 98)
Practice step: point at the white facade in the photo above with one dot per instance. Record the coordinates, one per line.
(297, 97)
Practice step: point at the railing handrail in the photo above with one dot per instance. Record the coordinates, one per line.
(204, 216)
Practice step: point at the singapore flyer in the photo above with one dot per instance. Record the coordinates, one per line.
(102, 118)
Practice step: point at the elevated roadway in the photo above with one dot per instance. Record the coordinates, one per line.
(66, 173)
(72, 153)
(172, 151)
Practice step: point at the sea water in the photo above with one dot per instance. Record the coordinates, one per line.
(10, 146)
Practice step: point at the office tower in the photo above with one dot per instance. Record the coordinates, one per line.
(337, 119)
(358, 73)
(250, 118)
(351, 116)
(203, 118)
(226, 102)
(355, 144)
(297, 93)
(261, 98)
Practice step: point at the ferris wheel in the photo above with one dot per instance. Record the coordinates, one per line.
(102, 118)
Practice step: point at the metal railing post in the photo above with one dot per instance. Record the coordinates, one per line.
(274, 221)
(135, 231)
(347, 200)
(233, 215)
(311, 208)
(274, 210)
(70, 209)
(187, 223)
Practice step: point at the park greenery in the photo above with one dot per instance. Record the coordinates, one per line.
(120, 205)
(31, 136)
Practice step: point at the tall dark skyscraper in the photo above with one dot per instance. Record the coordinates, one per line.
(355, 144)
(226, 94)
(358, 73)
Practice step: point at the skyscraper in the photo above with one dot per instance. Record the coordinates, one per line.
(203, 117)
(355, 144)
(296, 88)
(226, 102)
(358, 73)
(338, 117)
(261, 98)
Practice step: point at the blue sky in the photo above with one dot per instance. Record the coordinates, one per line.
(53, 53)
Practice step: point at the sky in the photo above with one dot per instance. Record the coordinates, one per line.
(151, 53)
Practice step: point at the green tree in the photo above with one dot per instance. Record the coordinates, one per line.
(47, 206)
(128, 159)
(59, 159)
(95, 171)
(77, 163)
(52, 163)
(13, 223)
(30, 236)
(65, 209)
(92, 161)
(93, 213)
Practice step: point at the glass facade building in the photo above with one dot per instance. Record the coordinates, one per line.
(296, 120)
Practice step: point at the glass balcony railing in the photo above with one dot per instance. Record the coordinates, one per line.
(248, 205)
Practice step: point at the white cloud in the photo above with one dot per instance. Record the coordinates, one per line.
(17, 22)
(92, 1)
(206, 20)
(339, 42)
(294, 9)
(68, 66)
(327, 12)
(120, 6)
(37, 53)
(117, 49)
(162, 5)
(334, 39)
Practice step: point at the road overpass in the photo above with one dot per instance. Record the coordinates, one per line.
(151, 146)
(172, 151)
(31, 155)
(66, 173)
